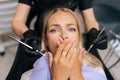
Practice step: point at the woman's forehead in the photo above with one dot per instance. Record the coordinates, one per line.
(61, 17)
(62, 14)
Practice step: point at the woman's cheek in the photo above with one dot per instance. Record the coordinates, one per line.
(76, 40)
(53, 44)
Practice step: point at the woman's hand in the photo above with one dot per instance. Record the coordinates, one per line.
(76, 73)
(61, 63)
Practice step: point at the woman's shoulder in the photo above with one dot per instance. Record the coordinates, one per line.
(93, 73)
(26, 75)
(100, 70)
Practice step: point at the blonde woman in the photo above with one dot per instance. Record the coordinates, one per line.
(62, 40)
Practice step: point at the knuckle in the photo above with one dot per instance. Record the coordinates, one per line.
(61, 61)
(55, 60)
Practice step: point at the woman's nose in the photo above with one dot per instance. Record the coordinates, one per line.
(64, 35)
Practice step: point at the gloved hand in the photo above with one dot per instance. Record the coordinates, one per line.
(32, 39)
(100, 42)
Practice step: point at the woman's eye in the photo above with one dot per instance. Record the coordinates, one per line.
(72, 29)
(53, 30)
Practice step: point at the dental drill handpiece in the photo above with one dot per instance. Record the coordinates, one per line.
(94, 40)
(38, 51)
(114, 34)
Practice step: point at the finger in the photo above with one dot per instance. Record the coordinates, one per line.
(67, 48)
(58, 42)
(71, 51)
(50, 56)
(101, 45)
(101, 38)
(71, 59)
(80, 54)
(60, 49)
(61, 40)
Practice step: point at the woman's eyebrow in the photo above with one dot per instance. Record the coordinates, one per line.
(57, 25)
(69, 24)
(54, 25)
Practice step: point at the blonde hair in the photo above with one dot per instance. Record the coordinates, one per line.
(88, 59)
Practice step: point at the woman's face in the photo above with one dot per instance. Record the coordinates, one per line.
(61, 25)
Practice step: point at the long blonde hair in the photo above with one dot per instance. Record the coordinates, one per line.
(88, 59)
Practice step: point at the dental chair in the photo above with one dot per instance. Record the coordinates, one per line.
(114, 49)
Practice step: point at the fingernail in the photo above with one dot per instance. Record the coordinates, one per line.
(58, 42)
(84, 52)
(60, 39)
(66, 39)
